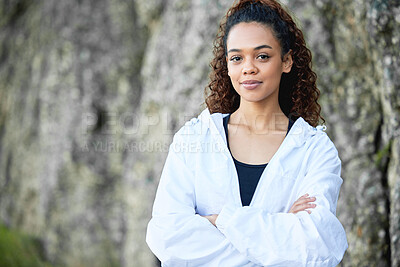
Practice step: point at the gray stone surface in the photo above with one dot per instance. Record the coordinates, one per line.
(91, 93)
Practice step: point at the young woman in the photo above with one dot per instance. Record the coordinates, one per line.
(253, 181)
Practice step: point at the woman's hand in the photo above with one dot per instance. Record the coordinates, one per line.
(211, 218)
(303, 204)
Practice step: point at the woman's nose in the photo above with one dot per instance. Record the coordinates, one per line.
(249, 68)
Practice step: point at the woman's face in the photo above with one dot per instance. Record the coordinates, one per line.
(254, 62)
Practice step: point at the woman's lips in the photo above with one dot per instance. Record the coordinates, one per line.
(251, 84)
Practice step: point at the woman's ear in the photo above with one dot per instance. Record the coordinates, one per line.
(287, 62)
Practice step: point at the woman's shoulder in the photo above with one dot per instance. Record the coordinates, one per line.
(314, 137)
(317, 138)
(194, 128)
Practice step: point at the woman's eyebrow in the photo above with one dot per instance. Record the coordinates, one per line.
(256, 48)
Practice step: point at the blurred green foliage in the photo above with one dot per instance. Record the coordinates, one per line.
(20, 250)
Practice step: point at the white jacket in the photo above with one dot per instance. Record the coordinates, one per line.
(199, 178)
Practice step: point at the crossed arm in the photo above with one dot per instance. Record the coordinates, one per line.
(304, 203)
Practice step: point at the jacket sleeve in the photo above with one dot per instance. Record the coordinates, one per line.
(175, 233)
(301, 239)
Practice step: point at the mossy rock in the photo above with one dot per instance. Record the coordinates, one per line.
(20, 250)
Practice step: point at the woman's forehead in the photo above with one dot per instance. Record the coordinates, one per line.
(251, 35)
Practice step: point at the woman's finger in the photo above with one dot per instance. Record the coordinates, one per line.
(302, 204)
(304, 200)
(296, 210)
(303, 207)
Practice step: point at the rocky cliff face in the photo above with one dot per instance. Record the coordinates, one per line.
(70, 91)
(355, 49)
(91, 93)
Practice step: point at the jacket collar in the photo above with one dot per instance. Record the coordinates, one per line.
(297, 136)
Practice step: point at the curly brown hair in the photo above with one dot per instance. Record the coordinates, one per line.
(298, 93)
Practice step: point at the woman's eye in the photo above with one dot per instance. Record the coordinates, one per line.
(263, 57)
(235, 58)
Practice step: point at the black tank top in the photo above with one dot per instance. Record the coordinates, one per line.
(248, 174)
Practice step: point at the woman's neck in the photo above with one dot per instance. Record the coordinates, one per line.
(260, 117)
